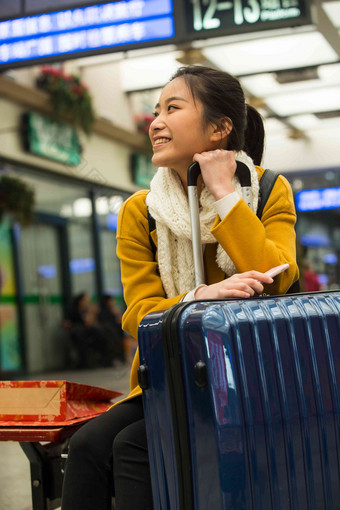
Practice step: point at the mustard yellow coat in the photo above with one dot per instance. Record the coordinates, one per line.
(251, 244)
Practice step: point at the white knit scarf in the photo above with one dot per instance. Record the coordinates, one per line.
(168, 204)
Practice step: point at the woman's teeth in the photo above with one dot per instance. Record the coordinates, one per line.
(161, 140)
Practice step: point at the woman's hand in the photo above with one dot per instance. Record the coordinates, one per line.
(218, 168)
(241, 285)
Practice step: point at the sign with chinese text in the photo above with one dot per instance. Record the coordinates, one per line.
(92, 29)
(50, 139)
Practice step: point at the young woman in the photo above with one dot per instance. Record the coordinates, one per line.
(201, 116)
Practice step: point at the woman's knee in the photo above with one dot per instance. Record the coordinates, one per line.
(87, 443)
(131, 439)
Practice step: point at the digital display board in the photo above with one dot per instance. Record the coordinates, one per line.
(318, 199)
(120, 25)
(214, 18)
(85, 30)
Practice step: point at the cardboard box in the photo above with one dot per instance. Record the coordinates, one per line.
(51, 402)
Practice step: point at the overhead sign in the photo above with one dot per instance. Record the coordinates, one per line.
(142, 170)
(50, 139)
(130, 24)
(212, 18)
(318, 199)
(85, 30)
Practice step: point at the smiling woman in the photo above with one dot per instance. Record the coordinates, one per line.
(201, 116)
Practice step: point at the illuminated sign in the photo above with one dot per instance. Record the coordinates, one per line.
(130, 24)
(142, 170)
(210, 18)
(50, 139)
(85, 29)
(79, 266)
(318, 199)
(112, 221)
(47, 271)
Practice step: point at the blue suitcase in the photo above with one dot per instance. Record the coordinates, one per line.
(242, 404)
(241, 397)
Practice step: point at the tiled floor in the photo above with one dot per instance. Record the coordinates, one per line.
(15, 491)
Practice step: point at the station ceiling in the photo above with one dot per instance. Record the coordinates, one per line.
(291, 75)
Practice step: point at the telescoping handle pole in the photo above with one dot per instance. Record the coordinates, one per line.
(243, 174)
(193, 173)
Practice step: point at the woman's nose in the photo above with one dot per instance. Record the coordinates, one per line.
(156, 124)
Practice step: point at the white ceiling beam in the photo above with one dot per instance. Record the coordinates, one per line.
(325, 26)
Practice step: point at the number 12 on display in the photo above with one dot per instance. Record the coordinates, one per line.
(207, 21)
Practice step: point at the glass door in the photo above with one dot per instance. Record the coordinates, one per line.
(44, 299)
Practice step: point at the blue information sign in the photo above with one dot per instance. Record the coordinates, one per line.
(318, 199)
(85, 29)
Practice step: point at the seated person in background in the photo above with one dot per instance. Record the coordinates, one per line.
(110, 321)
(90, 342)
(310, 280)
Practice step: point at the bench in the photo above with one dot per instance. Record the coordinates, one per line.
(46, 450)
(42, 416)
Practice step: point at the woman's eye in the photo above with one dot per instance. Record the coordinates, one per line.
(171, 106)
(155, 114)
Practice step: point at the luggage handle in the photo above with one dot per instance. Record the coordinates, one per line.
(194, 170)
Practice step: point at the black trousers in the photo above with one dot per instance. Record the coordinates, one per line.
(108, 456)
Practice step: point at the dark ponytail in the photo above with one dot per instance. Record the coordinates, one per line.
(254, 135)
(222, 97)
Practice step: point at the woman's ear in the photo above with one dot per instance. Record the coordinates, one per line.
(221, 130)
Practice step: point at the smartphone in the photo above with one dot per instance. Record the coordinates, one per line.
(276, 270)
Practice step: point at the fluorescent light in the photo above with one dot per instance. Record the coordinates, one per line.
(115, 203)
(148, 72)
(332, 10)
(274, 126)
(329, 73)
(310, 122)
(102, 206)
(82, 207)
(263, 85)
(268, 54)
(304, 121)
(306, 101)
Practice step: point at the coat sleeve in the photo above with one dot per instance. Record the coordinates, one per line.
(143, 290)
(262, 244)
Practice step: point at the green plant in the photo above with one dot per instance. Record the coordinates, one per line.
(69, 97)
(17, 199)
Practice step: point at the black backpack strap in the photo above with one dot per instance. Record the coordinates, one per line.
(152, 227)
(267, 181)
(294, 288)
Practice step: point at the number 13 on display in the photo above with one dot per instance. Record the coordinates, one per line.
(206, 21)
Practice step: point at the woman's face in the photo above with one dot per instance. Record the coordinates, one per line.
(177, 133)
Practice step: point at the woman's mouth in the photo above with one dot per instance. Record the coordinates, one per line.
(161, 141)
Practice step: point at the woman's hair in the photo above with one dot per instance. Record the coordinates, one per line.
(222, 98)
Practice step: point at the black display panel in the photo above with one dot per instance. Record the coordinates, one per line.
(213, 18)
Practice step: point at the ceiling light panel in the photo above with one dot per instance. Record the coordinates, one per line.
(265, 84)
(332, 10)
(148, 72)
(304, 121)
(274, 126)
(306, 101)
(310, 122)
(270, 54)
